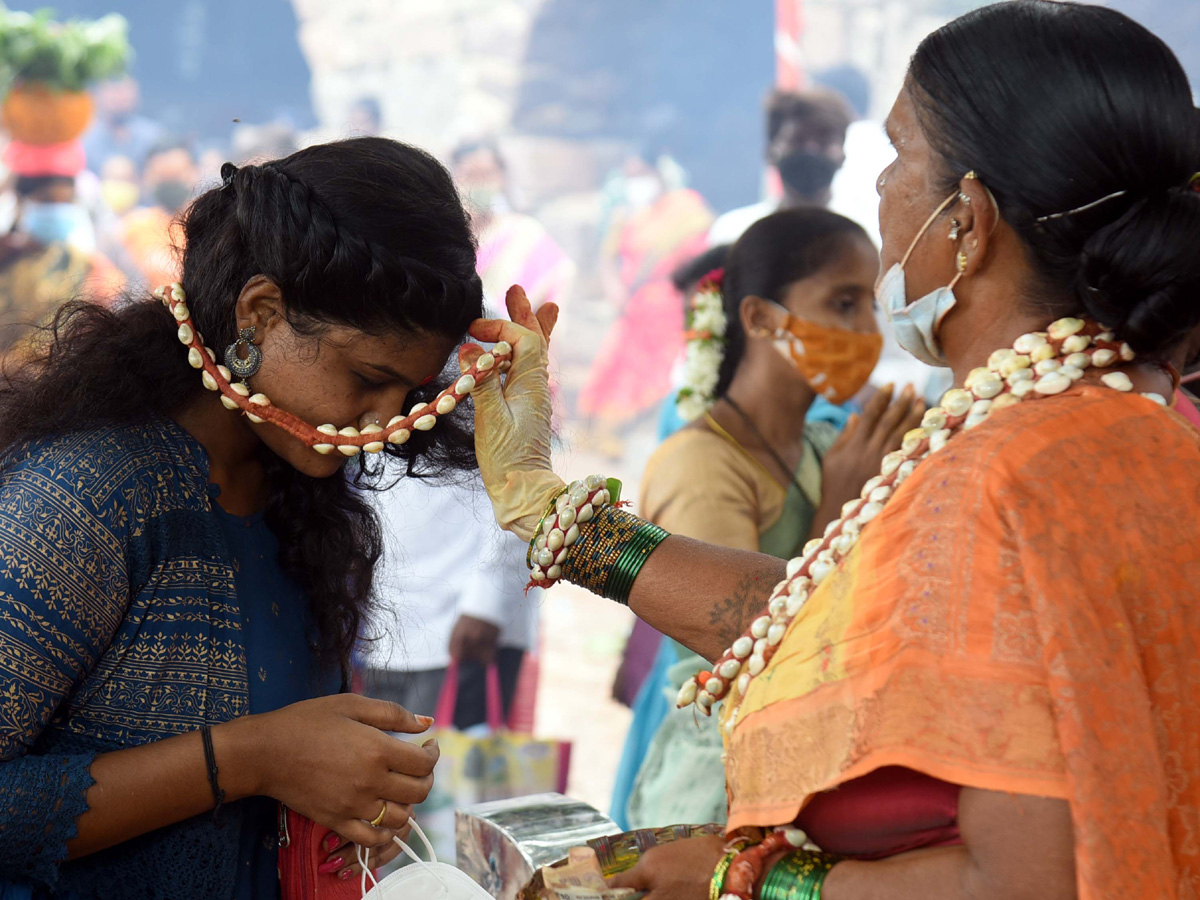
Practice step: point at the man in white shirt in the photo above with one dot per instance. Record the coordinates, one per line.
(450, 586)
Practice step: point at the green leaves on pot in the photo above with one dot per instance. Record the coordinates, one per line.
(65, 56)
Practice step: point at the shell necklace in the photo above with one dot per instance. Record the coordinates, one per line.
(348, 441)
(1039, 364)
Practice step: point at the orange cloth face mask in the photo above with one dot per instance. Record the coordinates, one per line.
(834, 361)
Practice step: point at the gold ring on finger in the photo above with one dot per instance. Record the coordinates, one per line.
(378, 820)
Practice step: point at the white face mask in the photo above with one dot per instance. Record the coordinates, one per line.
(642, 190)
(916, 323)
(428, 880)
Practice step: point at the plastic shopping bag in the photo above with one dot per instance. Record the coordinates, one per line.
(485, 763)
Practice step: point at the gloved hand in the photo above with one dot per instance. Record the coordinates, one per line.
(512, 418)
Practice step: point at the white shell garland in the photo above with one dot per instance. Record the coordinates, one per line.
(559, 530)
(348, 441)
(1040, 364)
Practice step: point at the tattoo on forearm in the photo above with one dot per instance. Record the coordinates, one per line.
(731, 616)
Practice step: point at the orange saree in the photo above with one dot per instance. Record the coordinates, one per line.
(1022, 617)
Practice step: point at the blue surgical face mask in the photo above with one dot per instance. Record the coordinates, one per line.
(916, 324)
(58, 223)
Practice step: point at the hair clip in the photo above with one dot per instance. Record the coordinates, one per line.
(228, 170)
(1071, 212)
(1194, 183)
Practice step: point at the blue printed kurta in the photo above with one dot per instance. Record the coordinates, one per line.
(119, 626)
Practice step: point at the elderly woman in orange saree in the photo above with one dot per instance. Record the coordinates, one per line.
(982, 682)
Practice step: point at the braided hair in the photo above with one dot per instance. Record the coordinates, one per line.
(367, 233)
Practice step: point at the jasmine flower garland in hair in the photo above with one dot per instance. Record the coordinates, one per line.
(705, 347)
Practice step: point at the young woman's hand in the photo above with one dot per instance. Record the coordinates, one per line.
(681, 870)
(339, 857)
(331, 759)
(512, 417)
(856, 455)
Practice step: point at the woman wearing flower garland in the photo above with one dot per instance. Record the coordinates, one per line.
(182, 585)
(981, 682)
(792, 318)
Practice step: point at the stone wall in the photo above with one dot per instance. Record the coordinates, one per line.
(442, 70)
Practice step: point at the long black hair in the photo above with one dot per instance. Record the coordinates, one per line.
(1057, 106)
(368, 233)
(774, 252)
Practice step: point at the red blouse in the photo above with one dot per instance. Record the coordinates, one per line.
(889, 811)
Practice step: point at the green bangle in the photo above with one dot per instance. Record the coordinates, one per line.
(798, 876)
(717, 885)
(629, 563)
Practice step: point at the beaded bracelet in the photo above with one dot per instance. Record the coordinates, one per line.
(611, 552)
(798, 876)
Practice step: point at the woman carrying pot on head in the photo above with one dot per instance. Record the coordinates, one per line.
(791, 318)
(183, 584)
(980, 682)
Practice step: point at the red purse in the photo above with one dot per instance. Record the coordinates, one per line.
(300, 853)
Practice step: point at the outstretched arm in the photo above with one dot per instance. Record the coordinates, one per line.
(1014, 847)
(512, 441)
(736, 585)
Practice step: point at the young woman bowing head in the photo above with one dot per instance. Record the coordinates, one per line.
(184, 567)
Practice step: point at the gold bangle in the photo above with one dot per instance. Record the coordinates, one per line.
(378, 820)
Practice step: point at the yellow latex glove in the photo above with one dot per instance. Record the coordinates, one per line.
(512, 417)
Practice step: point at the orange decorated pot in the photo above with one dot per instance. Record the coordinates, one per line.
(38, 114)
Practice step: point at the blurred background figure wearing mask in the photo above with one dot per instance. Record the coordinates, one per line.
(792, 321)
(514, 248)
(654, 224)
(119, 129)
(822, 152)
(49, 256)
(806, 136)
(146, 232)
(120, 185)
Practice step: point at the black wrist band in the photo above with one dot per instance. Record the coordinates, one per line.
(210, 761)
